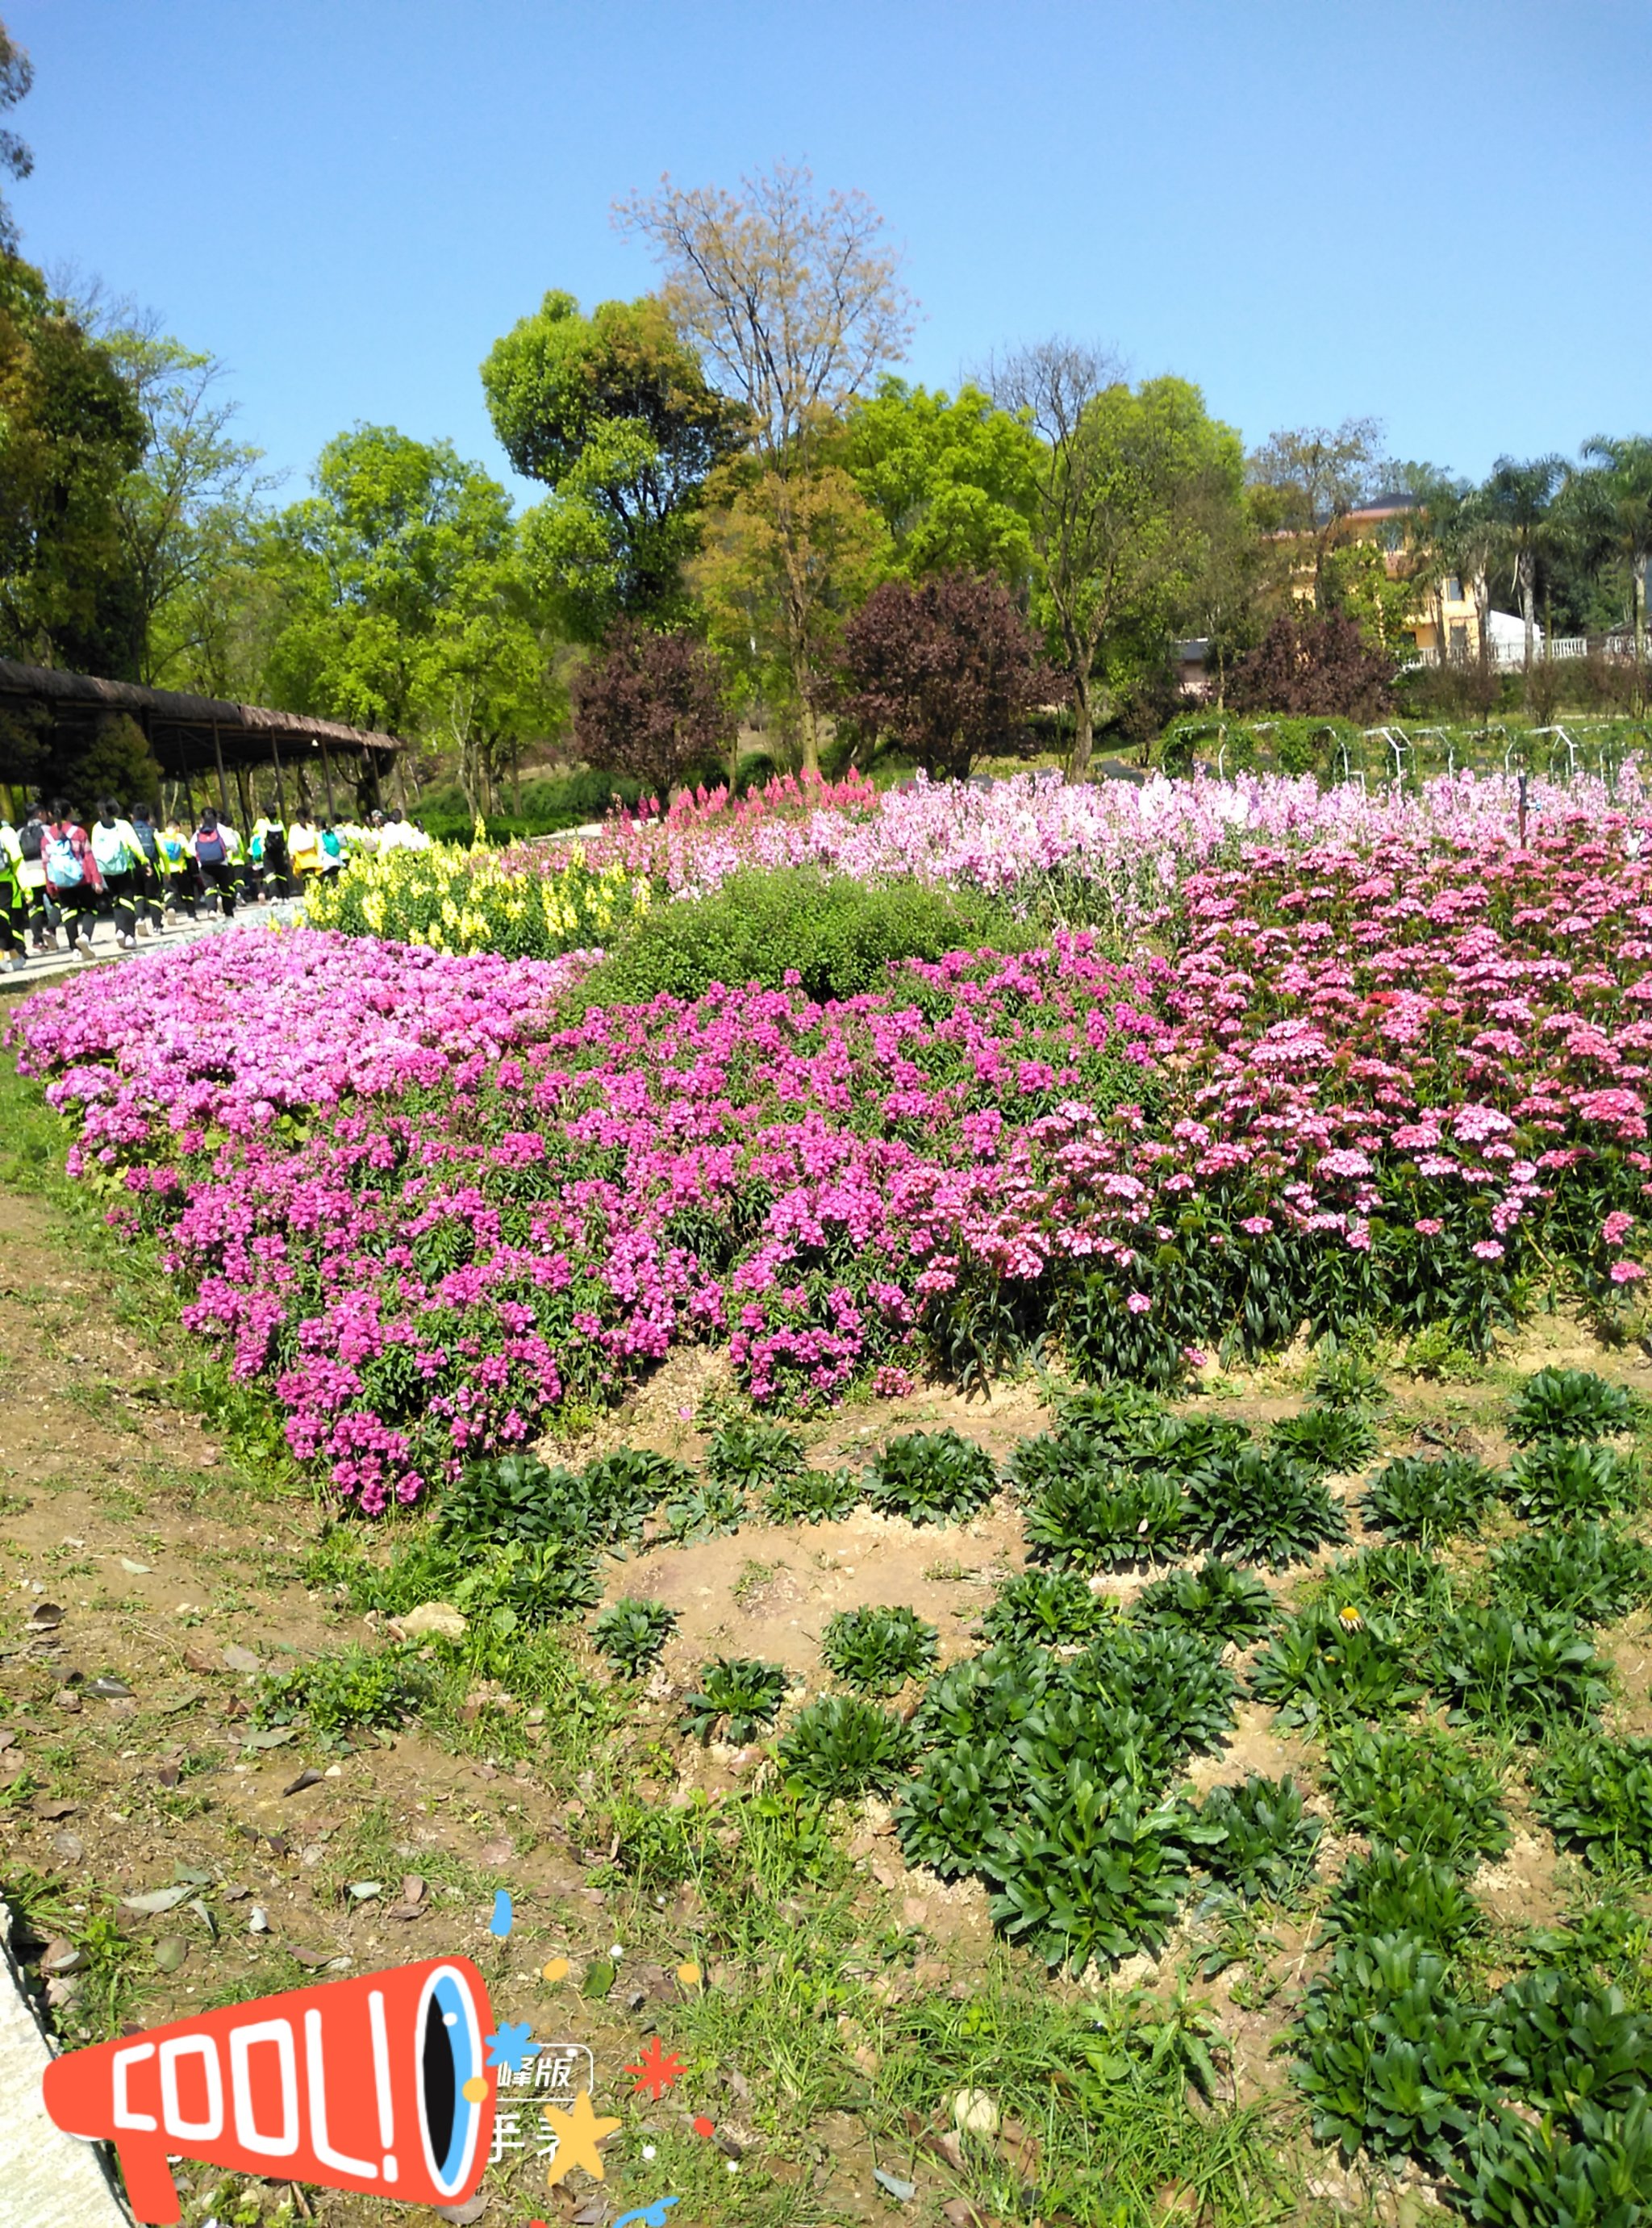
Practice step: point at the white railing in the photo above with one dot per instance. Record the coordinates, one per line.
(1508, 654)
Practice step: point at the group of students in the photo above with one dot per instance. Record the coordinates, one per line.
(58, 872)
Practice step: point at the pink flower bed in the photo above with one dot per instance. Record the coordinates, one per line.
(1395, 1080)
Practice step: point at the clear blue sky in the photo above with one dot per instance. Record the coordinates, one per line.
(1430, 211)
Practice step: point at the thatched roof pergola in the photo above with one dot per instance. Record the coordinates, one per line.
(204, 737)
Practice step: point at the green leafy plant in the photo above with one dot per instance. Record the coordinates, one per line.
(737, 1692)
(1218, 1602)
(1388, 2058)
(1422, 1792)
(1560, 1480)
(1255, 1839)
(1045, 1608)
(357, 1689)
(1568, 2046)
(1099, 1517)
(750, 1456)
(1259, 1506)
(1395, 1582)
(1518, 2175)
(709, 1508)
(1596, 1795)
(1326, 1439)
(530, 1584)
(1344, 1380)
(1593, 1571)
(1519, 1675)
(1087, 1871)
(631, 1633)
(931, 1477)
(841, 1745)
(877, 1650)
(1109, 1409)
(812, 1497)
(1569, 1404)
(513, 1497)
(1322, 1665)
(1426, 1500)
(964, 1788)
(1388, 1892)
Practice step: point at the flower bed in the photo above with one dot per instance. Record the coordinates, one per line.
(452, 898)
(1394, 1083)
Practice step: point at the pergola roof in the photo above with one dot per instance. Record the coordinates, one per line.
(188, 735)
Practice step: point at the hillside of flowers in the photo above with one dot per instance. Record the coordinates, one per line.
(1384, 1064)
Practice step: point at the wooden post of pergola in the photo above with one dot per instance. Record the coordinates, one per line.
(327, 777)
(280, 786)
(223, 786)
(372, 758)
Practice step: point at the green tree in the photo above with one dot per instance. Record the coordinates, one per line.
(1614, 497)
(614, 414)
(794, 306)
(1130, 480)
(954, 481)
(71, 432)
(1518, 501)
(17, 75)
(1306, 479)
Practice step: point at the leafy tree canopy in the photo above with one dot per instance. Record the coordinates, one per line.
(652, 706)
(955, 481)
(614, 412)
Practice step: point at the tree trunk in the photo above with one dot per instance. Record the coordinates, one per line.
(1529, 608)
(1637, 578)
(1082, 728)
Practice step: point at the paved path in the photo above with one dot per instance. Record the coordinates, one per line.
(106, 952)
(50, 2180)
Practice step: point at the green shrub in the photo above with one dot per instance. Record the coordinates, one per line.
(1258, 1506)
(1388, 2058)
(812, 1497)
(1421, 1792)
(529, 1585)
(1596, 1574)
(841, 1745)
(1326, 1439)
(931, 1477)
(1568, 2046)
(1086, 1871)
(1347, 1380)
(877, 1650)
(632, 1633)
(516, 1497)
(1219, 1603)
(1518, 1675)
(751, 1457)
(1569, 1404)
(1596, 1796)
(737, 1692)
(1045, 1608)
(1105, 1518)
(1559, 1481)
(1322, 1665)
(964, 1788)
(707, 1508)
(1389, 1892)
(1255, 1839)
(1518, 2175)
(1395, 1582)
(1426, 1500)
(838, 934)
(357, 1689)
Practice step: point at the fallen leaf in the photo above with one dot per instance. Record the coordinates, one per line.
(364, 1891)
(170, 1699)
(431, 1619)
(1019, 2151)
(137, 1569)
(170, 1953)
(472, 2209)
(598, 1979)
(67, 1698)
(194, 1660)
(237, 1658)
(274, 1737)
(413, 1887)
(43, 1809)
(62, 1956)
(193, 1874)
(157, 1900)
(314, 1959)
(110, 1690)
(69, 1846)
(308, 1778)
(498, 1852)
(46, 1613)
(404, 1911)
(7, 1736)
(258, 1920)
(960, 2213)
(902, 2192)
(280, 1845)
(168, 1775)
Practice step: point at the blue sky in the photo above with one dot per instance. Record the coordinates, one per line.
(1432, 213)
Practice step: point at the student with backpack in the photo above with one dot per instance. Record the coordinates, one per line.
(177, 864)
(149, 919)
(14, 908)
(212, 857)
(277, 872)
(31, 875)
(332, 850)
(119, 854)
(73, 878)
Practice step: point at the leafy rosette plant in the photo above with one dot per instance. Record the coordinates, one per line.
(811, 1496)
(1216, 1602)
(1570, 1404)
(738, 1694)
(877, 1650)
(1429, 1499)
(1327, 1666)
(1424, 1793)
(632, 1633)
(1594, 1572)
(1255, 1839)
(1389, 1892)
(1105, 1518)
(1518, 1675)
(1326, 1439)
(841, 1745)
(1046, 1609)
(750, 1456)
(931, 1477)
(1566, 1480)
(1596, 1796)
(966, 1788)
(1259, 1506)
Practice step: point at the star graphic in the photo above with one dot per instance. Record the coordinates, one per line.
(511, 2046)
(655, 2072)
(578, 2134)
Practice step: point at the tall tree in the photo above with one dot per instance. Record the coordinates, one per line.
(794, 305)
(1519, 500)
(614, 414)
(1614, 501)
(947, 669)
(1128, 480)
(954, 480)
(1308, 478)
(652, 706)
(16, 161)
(70, 434)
